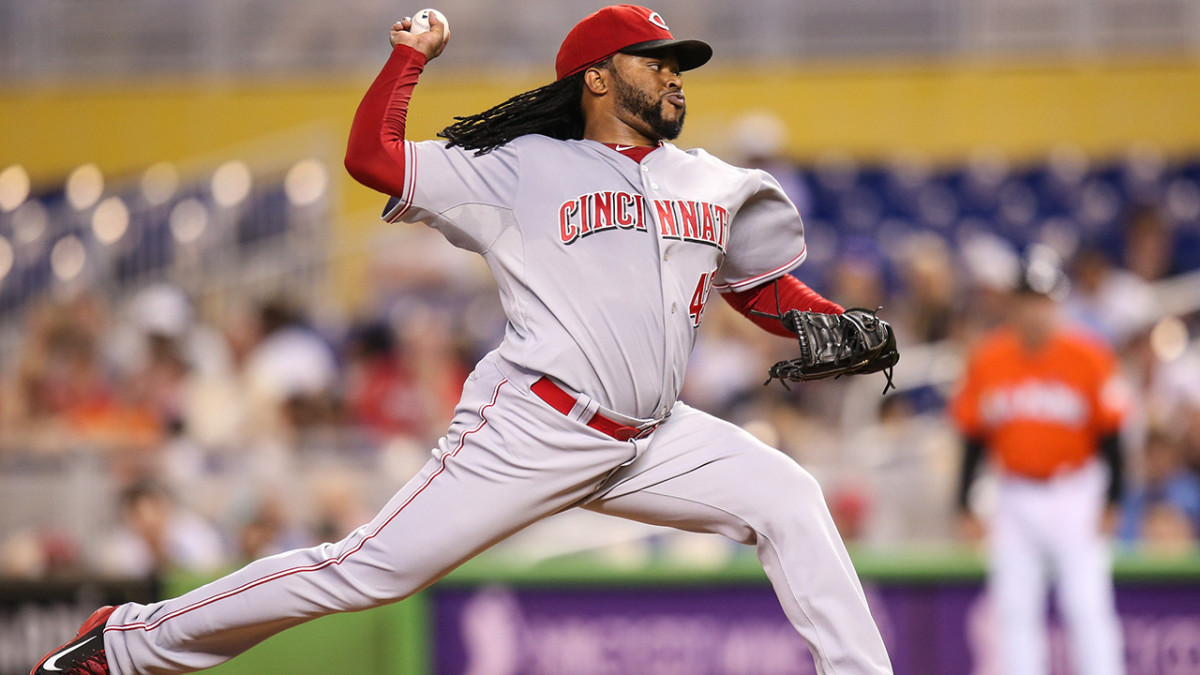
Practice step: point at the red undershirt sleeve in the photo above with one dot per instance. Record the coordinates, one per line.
(792, 294)
(375, 150)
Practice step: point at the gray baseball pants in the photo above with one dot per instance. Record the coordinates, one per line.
(509, 460)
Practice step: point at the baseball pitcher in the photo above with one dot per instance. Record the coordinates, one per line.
(606, 242)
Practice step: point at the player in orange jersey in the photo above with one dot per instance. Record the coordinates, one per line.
(1046, 403)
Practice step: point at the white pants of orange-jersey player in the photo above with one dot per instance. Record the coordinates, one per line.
(1047, 531)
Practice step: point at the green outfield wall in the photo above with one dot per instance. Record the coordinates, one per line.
(401, 639)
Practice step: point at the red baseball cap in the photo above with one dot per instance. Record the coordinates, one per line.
(624, 28)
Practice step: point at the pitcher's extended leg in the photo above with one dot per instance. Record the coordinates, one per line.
(701, 474)
(506, 462)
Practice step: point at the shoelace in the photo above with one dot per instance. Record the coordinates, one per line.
(887, 372)
(96, 664)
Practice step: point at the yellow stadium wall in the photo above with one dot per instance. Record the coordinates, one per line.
(939, 111)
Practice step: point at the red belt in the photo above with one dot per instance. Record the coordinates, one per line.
(564, 402)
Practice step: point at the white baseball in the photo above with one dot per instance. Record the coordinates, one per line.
(420, 22)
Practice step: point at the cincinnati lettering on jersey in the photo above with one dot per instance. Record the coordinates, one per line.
(1035, 400)
(694, 221)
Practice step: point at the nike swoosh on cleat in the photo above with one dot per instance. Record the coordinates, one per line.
(52, 662)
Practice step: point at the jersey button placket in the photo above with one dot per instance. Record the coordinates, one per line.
(670, 346)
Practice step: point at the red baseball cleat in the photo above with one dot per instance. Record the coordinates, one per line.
(83, 655)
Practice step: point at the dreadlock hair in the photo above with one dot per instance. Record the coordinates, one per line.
(554, 110)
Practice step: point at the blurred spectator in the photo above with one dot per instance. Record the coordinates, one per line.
(1113, 302)
(177, 365)
(1169, 495)
(850, 505)
(989, 267)
(433, 355)
(29, 553)
(157, 534)
(1165, 379)
(858, 274)
(269, 529)
(758, 140)
(289, 373)
(338, 502)
(926, 308)
(66, 391)
(1189, 419)
(1148, 244)
(404, 385)
(60, 370)
(1166, 531)
(380, 393)
(159, 321)
(21, 555)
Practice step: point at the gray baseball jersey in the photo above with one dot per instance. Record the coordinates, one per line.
(604, 270)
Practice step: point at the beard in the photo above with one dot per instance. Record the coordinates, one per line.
(650, 111)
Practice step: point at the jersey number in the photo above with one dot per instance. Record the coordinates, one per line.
(700, 297)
